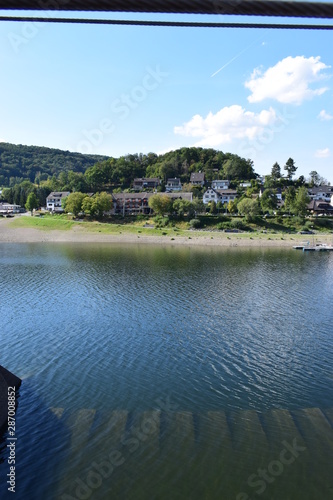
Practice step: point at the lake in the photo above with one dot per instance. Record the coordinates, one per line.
(169, 373)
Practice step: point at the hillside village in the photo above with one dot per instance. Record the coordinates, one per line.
(217, 195)
(201, 181)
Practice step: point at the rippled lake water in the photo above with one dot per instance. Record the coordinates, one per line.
(196, 366)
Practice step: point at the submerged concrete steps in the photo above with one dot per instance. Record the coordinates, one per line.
(249, 445)
(214, 441)
(79, 423)
(316, 431)
(155, 454)
(289, 454)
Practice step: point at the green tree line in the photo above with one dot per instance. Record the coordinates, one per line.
(62, 170)
(36, 164)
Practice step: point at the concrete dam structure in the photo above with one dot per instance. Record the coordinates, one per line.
(7, 380)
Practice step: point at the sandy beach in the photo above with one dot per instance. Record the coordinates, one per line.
(79, 234)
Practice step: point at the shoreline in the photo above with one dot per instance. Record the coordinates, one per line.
(79, 234)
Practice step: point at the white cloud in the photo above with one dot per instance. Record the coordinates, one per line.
(288, 81)
(322, 153)
(324, 116)
(227, 125)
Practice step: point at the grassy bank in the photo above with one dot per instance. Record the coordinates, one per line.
(46, 223)
(62, 228)
(167, 226)
(65, 223)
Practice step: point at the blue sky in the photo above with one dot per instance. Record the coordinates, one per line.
(263, 94)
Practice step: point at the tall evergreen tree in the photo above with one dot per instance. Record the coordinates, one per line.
(290, 167)
(276, 171)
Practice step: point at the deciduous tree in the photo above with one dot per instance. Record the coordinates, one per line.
(290, 198)
(183, 207)
(249, 207)
(268, 201)
(219, 206)
(73, 202)
(301, 201)
(199, 206)
(232, 207)
(160, 204)
(32, 202)
(213, 208)
(314, 178)
(97, 204)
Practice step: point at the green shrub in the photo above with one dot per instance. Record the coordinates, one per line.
(259, 221)
(323, 222)
(142, 217)
(223, 218)
(298, 220)
(224, 225)
(238, 224)
(161, 221)
(209, 220)
(195, 223)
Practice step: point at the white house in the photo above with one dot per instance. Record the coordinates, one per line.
(173, 184)
(220, 184)
(321, 193)
(223, 195)
(53, 201)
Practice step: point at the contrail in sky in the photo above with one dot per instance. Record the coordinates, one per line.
(236, 57)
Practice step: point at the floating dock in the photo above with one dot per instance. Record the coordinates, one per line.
(314, 248)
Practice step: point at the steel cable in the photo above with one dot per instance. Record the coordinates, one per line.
(172, 24)
(277, 8)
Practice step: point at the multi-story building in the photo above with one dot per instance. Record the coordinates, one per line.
(173, 184)
(54, 199)
(220, 184)
(142, 183)
(321, 193)
(222, 195)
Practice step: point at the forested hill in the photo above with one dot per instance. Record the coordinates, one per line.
(34, 163)
(65, 171)
(120, 173)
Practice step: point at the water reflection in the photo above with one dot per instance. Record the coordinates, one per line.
(240, 340)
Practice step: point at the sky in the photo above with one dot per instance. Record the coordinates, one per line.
(263, 94)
